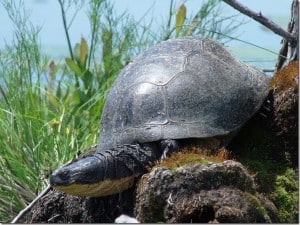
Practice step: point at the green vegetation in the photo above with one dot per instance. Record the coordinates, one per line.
(49, 110)
(275, 175)
(255, 201)
(286, 196)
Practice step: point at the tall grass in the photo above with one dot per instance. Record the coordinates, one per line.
(49, 111)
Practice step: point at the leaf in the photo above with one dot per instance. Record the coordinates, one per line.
(77, 52)
(77, 96)
(74, 67)
(88, 79)
(180, 18)
(83, 52)
(53, 100)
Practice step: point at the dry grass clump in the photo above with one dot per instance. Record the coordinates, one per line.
(286, 77)
(194, 155)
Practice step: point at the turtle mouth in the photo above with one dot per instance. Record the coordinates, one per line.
(102, 188)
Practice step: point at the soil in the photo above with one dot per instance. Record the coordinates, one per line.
(58, 207)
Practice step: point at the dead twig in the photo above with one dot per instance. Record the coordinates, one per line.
(263, 20)
(22, 213)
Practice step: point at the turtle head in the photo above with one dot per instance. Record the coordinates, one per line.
(73, 177)
(84, 171)
(88, 177)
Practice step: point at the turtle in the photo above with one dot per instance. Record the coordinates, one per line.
(183, 90)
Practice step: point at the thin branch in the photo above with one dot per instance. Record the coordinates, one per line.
(263, 20)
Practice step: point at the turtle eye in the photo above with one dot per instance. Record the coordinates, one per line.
(63, 174)
(60, 176)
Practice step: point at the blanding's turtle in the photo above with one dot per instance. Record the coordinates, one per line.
(180, 90)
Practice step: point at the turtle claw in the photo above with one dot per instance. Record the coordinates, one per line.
(169, 146)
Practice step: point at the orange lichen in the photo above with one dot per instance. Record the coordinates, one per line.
(194, 155)
(286, 77)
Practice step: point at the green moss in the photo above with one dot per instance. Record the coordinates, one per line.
(277, 180)
(259, 148)
(255, 201)
(286, 196)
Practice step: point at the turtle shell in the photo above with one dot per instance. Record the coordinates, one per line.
(181, 88)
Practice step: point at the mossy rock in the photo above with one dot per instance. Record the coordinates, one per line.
(213, 192)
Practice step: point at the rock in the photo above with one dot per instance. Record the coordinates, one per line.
(217, 192)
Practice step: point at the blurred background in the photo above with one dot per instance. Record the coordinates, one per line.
(47, 14)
